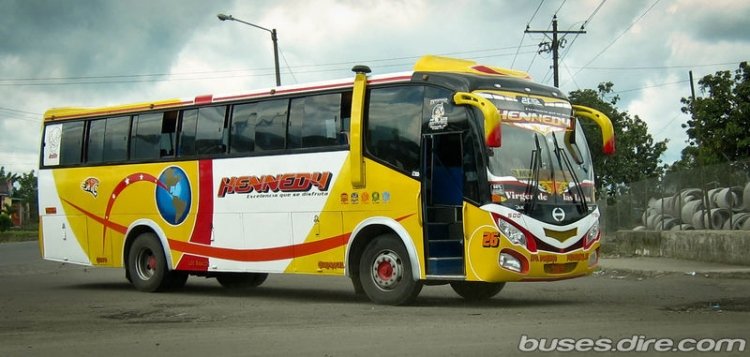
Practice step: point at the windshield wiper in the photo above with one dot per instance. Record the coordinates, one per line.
(532, 188)
(568, 166)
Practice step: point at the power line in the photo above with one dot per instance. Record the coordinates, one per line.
(617, 38)
(650, 86)
(583, 26)
(126, 79)
(640, 68)
(76, 78)
(561, 6)
(554, 45)
(19, 111)
(524, 34)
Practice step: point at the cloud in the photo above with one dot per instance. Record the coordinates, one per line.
(147, 50)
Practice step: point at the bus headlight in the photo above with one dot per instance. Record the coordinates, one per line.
(592, 235)
(510, 262)
(514, 234)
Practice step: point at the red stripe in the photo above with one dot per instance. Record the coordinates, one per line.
(109, 224)
(264, 254)
(204, 216)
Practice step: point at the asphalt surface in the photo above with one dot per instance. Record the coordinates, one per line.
(51, 309)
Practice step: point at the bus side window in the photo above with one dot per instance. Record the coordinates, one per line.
(145, 136)
(202, 131)
(393, 126)
(270, 127)
(108, 140)
(315, 121)
(346, 116)
(242, 138)
(168, 134)
(71, 143)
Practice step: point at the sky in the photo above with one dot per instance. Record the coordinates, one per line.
(89, 53)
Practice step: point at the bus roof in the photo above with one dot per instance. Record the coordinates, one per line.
(427, 63)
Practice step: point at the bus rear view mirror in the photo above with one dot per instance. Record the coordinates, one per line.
(608, 133)
(492, 133)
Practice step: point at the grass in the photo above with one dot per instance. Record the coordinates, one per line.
(23, 234)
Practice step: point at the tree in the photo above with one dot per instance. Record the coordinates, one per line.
(717, 130)
(7, 179)
(28, 192)
(637, 156)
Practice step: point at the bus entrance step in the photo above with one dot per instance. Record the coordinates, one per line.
(445, 266)
(444, 231)
(446, 214)
(448, 248)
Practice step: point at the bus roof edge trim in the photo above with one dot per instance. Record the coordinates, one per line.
(432, 63)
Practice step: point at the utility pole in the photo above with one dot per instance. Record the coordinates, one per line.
(554, 46)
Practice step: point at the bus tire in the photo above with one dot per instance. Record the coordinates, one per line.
(147, 266)
(385, 272)
(241, 280)
(476, 290)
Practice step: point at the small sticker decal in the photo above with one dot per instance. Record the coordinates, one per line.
(91, 185)
(438, 120)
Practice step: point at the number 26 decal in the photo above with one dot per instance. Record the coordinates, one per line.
(490, 239)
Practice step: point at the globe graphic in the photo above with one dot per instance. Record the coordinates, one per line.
(173, 195)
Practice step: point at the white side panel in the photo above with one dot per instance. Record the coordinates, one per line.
(60, 244)
(229, 232)
(260, 223)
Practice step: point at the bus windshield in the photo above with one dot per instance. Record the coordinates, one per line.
(543, 168)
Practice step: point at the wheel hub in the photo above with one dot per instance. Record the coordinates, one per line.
(146, 264)
(387, 270)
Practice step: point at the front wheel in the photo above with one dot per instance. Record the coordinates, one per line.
(147, 266)
(241, 280)
(386, 274)
(476, 290)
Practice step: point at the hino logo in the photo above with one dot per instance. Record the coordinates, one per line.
(558, 214)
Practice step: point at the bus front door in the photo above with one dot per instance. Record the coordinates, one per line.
(442, 198)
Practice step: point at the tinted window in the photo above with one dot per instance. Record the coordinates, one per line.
(393, 125)
(95, 147)
(146, 136)
(116, 139)
(210, 138)
(71, 143)
(315, 121)
(108, 140)
(188, 132)
(244, 118)
(168, 136)
(270, 127)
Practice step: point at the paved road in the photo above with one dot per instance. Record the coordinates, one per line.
(51, 309)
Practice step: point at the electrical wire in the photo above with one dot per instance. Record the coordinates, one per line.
(617, 38)
(524, 33)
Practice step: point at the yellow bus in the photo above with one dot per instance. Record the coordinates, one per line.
(454, 173)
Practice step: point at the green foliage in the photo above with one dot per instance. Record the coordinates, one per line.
(719, 123)
(5, 222)
(637, 155)
(23, 187)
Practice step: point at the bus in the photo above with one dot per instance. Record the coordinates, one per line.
(453, 173)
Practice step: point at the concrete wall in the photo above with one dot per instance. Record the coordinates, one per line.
(730, 247)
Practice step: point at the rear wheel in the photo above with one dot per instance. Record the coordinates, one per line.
(147, 266)
(476, 290)
(241, 280)
(386, 274)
